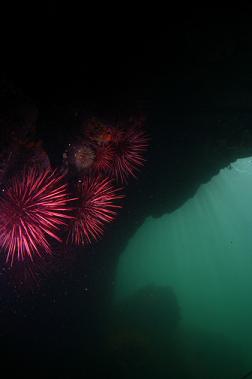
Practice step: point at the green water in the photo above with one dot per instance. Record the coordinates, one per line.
(204, 252)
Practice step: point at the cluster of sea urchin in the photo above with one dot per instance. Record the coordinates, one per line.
(36, 203)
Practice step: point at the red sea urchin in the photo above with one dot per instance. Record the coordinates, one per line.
(128, 147)
(96, 208)
(32, 209)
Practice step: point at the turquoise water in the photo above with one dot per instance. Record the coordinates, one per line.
(203, 251)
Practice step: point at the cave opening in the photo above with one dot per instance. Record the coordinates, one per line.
(202, 251)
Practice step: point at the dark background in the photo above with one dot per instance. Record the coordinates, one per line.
(189, 71)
